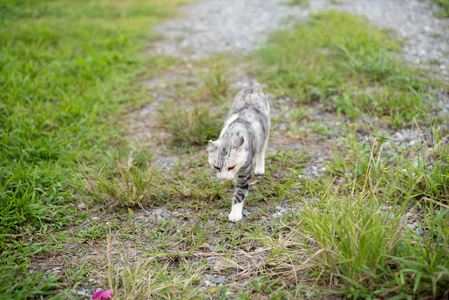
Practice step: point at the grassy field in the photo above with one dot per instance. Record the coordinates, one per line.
(83, 207)
(67, 73)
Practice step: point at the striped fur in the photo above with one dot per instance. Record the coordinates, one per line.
(240, 150)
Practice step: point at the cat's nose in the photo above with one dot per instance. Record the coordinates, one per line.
(224, 177)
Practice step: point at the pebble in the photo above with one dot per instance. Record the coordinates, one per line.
(277, 215)
(211, 260)
(418, 230)
(221, 280)
(246, 212)
(207, 283)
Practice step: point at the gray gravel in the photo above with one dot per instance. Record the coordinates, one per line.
(212, 26)
(427, 37)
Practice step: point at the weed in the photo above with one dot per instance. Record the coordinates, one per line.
(191, 126)
(127, 185)
(150, 277)
(217, 83)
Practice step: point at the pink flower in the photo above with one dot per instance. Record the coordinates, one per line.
(100, 295)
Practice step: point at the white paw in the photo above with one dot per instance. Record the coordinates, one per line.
(236, 212)
(235, 216)
(259, 171)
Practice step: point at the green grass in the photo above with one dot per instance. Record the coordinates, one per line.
(191, 126)
(66, 74)
(70, 183)
(352, 218)
(344, 62)
(368, 251)
(301, 3)
(126, 184)
(444, 8)
(216, 82)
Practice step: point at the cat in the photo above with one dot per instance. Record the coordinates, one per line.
(240, 149)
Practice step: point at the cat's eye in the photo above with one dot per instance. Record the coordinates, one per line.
(230, 168)
(217, 168)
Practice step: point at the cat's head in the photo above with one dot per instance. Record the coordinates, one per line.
(227, 157)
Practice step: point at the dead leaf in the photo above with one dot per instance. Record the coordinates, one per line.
(204, 246)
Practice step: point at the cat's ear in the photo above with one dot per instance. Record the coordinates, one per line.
(211, 146)
(239, 142)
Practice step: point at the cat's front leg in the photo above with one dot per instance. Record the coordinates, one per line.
(241, 191)
(236, 212)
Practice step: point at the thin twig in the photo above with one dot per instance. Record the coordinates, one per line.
(435, 202)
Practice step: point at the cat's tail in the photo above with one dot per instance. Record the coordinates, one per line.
(256, 85)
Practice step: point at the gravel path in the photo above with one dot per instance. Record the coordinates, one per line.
(212, 26)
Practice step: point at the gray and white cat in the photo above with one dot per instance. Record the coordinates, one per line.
(240, 150)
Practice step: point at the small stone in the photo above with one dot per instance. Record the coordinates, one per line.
(399, 136)
(277, 215)
(412, 226)
(211, 260)
(221, 280)
(418, 230)
(406, 134)
(158, 211)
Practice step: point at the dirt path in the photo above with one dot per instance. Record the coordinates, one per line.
(213, 26)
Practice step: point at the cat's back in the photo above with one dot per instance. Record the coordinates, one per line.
(249, 101)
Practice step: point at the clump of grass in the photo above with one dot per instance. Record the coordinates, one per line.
(340, 59)
(444, 8)
(127, 185)
(191, 126)
(150, 277)
(302, 3)
(356, 237)
(367, 249)
(398, 109)
(216, 82)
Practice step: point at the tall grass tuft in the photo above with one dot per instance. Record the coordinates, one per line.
(191, 126)
(126, 184)
(216, 82)
(360, 226)
(150, 277)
